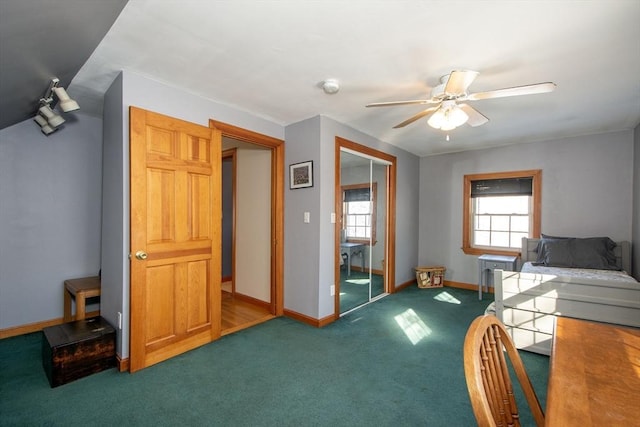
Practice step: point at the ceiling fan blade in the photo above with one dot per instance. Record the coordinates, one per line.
(513, 91)
(392, 103)
(459, 81)
(476, 118)
(416, 117)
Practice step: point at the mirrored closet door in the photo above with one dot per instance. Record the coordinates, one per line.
(362, 218)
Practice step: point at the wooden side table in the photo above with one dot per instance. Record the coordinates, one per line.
(80, 289)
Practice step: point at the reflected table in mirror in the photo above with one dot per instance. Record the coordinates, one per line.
(351, 249)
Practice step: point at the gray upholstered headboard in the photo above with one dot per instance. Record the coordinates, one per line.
(622, 252)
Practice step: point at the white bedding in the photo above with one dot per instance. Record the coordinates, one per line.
(612, 275)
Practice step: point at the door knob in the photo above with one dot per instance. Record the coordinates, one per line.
(141, 255)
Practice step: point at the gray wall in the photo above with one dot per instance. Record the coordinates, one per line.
(587, 190)
(309, 248)
(636, 203)
(115, 214)
(301, 241)
(50, 203)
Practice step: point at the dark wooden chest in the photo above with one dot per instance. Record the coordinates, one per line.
(77, 349)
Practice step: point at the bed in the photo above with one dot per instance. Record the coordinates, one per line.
(528, 302)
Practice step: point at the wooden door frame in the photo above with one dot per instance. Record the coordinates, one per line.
(277, 203)
(232, 154)
(390, 220)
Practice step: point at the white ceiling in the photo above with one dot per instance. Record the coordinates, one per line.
(269, 58)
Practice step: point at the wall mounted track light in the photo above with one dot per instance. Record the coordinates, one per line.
(47, 118)
(67, 104)
(53, 119)
(44, 125)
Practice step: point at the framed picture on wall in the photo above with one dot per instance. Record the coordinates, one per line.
(301, 175)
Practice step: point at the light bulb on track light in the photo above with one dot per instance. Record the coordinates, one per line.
(66, 103)
(52, 117)
(44, 125)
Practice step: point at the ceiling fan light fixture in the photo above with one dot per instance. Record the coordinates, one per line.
(447, 114)
(456, 117)
(448, 117)
(436, 119)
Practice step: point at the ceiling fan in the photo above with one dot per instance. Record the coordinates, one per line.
(449, 96)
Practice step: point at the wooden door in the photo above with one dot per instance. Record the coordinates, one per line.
(175, 237)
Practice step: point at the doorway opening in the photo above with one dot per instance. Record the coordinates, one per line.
(365, 225)
(252, 224)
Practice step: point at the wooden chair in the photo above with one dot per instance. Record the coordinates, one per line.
(487, 375)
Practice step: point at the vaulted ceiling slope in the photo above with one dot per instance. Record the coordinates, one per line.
(42, 39)
(270, 57)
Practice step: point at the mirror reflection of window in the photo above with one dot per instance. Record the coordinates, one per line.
(359, 210)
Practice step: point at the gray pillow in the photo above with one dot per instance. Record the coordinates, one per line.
(592, 252)
(546, 236)
(542, 246)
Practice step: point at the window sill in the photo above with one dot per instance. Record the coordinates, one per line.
(362, 242)
(482, 251)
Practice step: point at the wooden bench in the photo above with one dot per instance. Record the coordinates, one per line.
(81, 289)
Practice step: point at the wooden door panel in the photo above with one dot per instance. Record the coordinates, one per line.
(161, 143)
(161, 205)
(158, 253)
(197, 294)
(175, 220)
(198, 150)
(159, 292)
(199, 206)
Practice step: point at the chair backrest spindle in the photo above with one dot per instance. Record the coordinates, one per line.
(487, 374)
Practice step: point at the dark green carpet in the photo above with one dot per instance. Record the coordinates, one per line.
(362, 370)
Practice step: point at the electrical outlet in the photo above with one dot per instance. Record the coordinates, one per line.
(119, 320)
(307, 217)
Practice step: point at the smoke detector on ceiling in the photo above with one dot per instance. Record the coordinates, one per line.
(330, 86)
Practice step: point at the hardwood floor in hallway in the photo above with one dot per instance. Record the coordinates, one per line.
(238, 314)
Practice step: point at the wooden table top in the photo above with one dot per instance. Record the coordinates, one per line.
(88, 286)
(594, 378)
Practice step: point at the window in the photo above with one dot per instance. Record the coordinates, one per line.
(359, 210)
(500, 221)
(499, 210)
